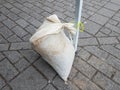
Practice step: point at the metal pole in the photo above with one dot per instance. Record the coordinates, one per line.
(78, 12)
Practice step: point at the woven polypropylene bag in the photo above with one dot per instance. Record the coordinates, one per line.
(54, 46)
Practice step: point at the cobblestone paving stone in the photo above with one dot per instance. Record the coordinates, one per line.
(97, 61)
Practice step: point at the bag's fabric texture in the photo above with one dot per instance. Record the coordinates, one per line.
(54, 46)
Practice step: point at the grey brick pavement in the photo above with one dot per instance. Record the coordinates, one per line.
(97, 61)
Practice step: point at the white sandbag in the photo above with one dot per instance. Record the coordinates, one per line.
(54, 46)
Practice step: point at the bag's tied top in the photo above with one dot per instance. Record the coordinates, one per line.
(52, 25)
(68, 26)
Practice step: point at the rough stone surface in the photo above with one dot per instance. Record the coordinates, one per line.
(31, 29)
(116, 1)
(99, 19)
(7, 70)
(22, 64)
(49, 87)
(2, 82)
(100, 34)
(14, 38)
(5, 32)
(1, 56)
(113, 61)
(22, 23)
(87, 42)
(19, 31)
(113, 22)
(34, 22)
(13, 56)
(105, 30)
(27, 37)
(72, 73)
(84, 67)
(30, 55)
(105, 83)
(117, 77)
(97, 61)
(85, 84)
(20, 45)
(108, 40)
(9, 23)
(12, 16)
(45, 69)
(112, 6)
(60, 84)
(112, 50)
(15, 10)
(73, 86)
(6, 88)
(102, 66)
(97, 52)
(113, 28)
(83, 54)
(28, 80)
(4, 47)
(92, 27)
(106, 12)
